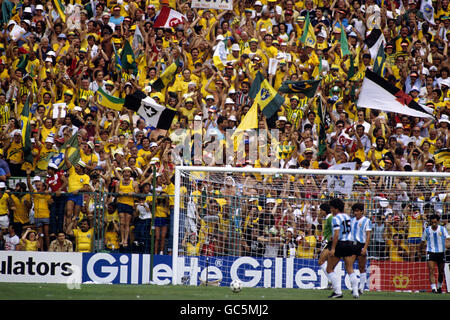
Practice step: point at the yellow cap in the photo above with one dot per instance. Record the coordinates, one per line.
(69, 92)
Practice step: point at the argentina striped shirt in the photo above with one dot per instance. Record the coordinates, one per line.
(435, 239)
(360, 228)
(341, 222)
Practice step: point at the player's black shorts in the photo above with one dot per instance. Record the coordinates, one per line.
(345, 249)
(325, 245)
(438, 257)
(358, 248)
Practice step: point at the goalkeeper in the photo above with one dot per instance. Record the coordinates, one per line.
(327, 232)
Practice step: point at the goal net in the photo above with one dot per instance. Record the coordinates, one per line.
(266, 227)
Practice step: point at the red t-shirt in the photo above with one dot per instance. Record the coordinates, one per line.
(55, 182)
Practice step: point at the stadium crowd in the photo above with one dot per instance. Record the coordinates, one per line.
(56, 62)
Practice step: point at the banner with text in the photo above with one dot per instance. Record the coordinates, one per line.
(213, 4)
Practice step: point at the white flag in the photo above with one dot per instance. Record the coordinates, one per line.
(341, 183)
(427, 10)
(137, 39)
(155, 114)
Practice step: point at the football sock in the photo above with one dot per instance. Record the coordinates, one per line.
(335, 281)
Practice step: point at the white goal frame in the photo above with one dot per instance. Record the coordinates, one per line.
(178, 169)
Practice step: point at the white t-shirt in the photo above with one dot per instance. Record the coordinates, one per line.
(11, 242)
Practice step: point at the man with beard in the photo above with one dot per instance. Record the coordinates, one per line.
(377, 152)
(242, 97)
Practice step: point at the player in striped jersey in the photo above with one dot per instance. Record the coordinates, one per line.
(436, 239)
(342, 247)
(361, 230)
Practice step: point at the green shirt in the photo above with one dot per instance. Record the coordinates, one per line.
(328, 228)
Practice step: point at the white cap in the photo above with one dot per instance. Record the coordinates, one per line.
(399, 125)
(51, 53)
(232, 118)
(48, 59)
(235, 47)
(82, 163)
(154, 160)
(282, 118)
(17, 131)
(220, 37)
(2, 185)
(258, 3)
(53, 165)
(229, 100)
(40, 7)
(365, 165)
(153, 144)
(444, 118)
(197, 118)
(27, 10)
(49, 139)
(322, 34)
(36, 179)
(27, 21)
(209, 97)
(384, 202)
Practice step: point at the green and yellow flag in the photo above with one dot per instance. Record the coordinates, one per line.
(308, 37)
(26, 134)
(307, 87)
(127, 58)
(380, 62)
(265, 95)
(108, 101)
(60, 8)
(74, 151)
(442, 155)
(344, 42)
(250, 121)
(284, 151)
(167, 76)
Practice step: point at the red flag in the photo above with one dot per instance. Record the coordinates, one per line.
(169, 18)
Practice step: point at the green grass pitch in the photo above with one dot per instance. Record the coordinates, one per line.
(28, 291)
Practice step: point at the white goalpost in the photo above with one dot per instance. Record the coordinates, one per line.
(266, 226)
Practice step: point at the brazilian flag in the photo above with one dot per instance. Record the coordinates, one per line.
(109, 101)
(322, 128)
(117, 61)
(26, 133)
(74, 151)
(266, 96)
(127, 58)
(442, 155)
(23, 62)
(380, 62)
(308, 37)
(167, 76)
(307, 87)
